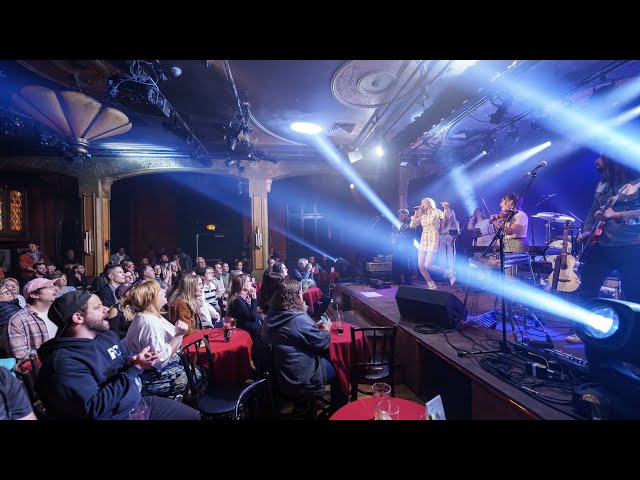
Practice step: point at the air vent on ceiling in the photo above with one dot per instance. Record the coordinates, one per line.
(339, 128)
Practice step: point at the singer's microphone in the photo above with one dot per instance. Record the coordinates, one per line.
(540, 165)
(419, 206)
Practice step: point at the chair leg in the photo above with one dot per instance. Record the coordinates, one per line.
(354, 387)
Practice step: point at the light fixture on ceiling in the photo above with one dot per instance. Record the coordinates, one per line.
(307, 128)
(501, 108)
(74, 115)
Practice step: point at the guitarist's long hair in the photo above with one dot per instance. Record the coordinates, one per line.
(616, 173)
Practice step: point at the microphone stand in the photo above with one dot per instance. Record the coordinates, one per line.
(504, 346)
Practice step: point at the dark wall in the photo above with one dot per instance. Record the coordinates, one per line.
(170, 209)
(328, 216)
(53, 210)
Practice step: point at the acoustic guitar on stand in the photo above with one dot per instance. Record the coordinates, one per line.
(564, 278)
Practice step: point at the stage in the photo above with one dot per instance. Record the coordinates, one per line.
(429, 363)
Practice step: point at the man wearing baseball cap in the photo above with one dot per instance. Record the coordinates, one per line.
(31, 326)
(87, 371)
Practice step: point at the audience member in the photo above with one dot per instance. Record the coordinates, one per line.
(31, 326)
(61, 284)
(183, 304)
(142, 306)
(243, 305)
(89, 373)
(299, 344)
(118, 257)
(77, 277)
(14, 287)
(28, 260)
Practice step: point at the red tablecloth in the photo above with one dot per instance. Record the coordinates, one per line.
(340, 353)
(363, 410)
(231, 360)
(312, 296)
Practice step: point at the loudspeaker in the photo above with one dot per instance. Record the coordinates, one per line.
(430, 306)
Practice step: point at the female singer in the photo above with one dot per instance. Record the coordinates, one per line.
(429, 217)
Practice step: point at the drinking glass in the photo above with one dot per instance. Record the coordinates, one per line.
(232, 325)
(381, 389)
(387, 409)
(339, 326)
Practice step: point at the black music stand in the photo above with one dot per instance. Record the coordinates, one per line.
(499, 235)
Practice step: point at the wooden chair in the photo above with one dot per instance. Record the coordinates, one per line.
(377, 368)
(256, 401)
(212, 401)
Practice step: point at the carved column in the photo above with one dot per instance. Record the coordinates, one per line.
(258, 190)
(96, 196)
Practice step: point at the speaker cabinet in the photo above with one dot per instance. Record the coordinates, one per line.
(430, 306)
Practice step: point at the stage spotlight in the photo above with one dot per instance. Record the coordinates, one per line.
(611, 346)
(352, 186)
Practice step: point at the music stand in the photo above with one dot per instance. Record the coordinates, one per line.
(499, 235)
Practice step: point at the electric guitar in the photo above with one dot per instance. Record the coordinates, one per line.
(596, 232)
(564, 278)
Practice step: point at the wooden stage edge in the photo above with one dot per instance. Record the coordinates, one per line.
(429, 365)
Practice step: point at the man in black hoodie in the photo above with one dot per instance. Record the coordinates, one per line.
(88, 372)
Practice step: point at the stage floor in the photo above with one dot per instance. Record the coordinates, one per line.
(475, 334)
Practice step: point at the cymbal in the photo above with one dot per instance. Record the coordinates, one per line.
(554, 217)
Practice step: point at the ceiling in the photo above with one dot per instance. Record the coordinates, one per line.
(422, 110)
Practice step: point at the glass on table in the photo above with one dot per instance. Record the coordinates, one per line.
(387, 409)
(339, 326)
(381, 390)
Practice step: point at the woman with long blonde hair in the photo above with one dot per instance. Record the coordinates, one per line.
(142, 304)
(429, 217)
(183, 304)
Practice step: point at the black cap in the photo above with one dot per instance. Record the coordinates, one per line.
(65, 306)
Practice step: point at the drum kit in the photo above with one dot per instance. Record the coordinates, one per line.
(553, 240)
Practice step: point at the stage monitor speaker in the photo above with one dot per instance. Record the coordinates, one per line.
(430, 306)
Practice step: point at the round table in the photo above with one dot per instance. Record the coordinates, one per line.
(232, 359)
(363, 410)
(340, 353)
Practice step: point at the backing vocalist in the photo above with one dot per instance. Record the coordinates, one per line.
(429, 217)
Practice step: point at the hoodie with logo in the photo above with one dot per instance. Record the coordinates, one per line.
(83, 378)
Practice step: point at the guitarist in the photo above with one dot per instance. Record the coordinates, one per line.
(618, 246)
